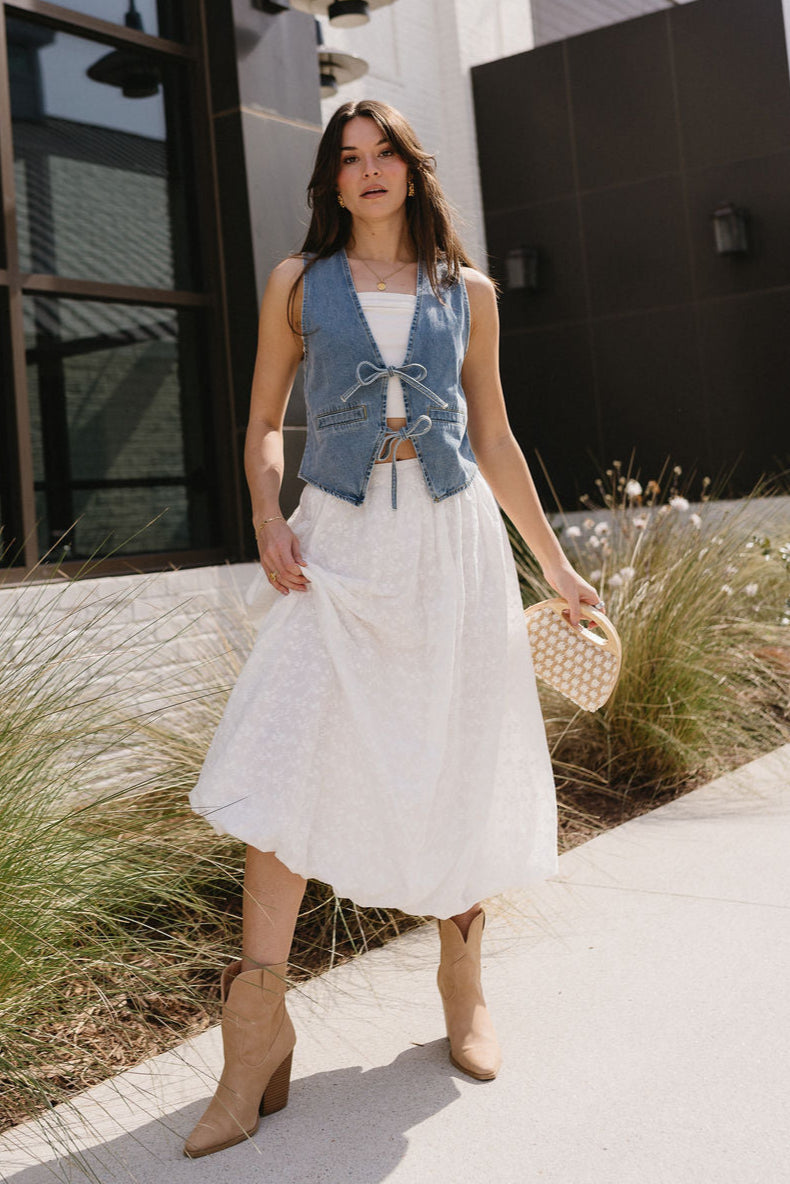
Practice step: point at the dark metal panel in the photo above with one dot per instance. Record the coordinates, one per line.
(652, 394)
(549, 385)
(730, 60)
(746, 352)
(636, 246)
(523, 128)
(618, 138)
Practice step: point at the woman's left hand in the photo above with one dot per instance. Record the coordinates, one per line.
(571, 587)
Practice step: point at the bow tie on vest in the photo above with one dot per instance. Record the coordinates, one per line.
(413, 373)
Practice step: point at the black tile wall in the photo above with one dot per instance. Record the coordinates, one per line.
(636, 245)
(523, 129)
(686, 353)
(548, 383)
(731, 66)
(745, 348)
(650, 393)
(623, 125)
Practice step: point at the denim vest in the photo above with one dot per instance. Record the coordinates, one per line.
(345, 384)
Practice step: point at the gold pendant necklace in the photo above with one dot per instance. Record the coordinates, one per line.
(382, 281)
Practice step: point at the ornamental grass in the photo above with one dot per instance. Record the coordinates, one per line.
(119, 906)
(700, 595)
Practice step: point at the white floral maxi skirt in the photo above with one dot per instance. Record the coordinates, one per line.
(385, 735)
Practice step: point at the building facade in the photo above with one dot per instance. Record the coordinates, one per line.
(153, 163)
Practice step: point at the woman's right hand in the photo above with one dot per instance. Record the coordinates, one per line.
(279, 551)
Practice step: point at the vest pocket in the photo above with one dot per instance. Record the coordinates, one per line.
(348, 417)
(447, 416)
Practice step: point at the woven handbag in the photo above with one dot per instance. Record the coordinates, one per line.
(582, 665)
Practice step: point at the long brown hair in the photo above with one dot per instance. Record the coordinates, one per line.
(428, 214)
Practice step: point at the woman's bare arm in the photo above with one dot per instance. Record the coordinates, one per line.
(277, 359)
(497, 451)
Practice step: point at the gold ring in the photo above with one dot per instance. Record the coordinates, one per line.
(272, 575)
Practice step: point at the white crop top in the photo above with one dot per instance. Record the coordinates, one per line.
(389, 316)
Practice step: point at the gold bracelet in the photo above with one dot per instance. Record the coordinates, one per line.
(260, 526)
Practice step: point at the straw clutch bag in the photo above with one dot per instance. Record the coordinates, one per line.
(582, 665)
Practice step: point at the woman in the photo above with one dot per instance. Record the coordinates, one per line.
(385, 734)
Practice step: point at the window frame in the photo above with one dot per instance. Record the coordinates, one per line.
(17, 284)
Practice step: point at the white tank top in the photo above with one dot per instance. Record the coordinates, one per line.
(389, 316)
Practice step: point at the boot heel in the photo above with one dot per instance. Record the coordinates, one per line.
(275, 1096)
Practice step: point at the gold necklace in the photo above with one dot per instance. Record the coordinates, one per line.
(382, 280)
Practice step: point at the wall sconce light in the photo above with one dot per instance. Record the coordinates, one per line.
(134, 75)
(730, 229)
(343, 14)
(336, 68)
(521, 269)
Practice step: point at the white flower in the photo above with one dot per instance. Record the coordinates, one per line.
(593, 542)
(627, 574)
(641, 522)
(632, 488)
(595, 575)
(616, 581)
(679, 503)
(602, 528)
(731, 570)
(663, 509)
(695, 520)
(752, 589)
(573, 532)
(747, 547)
(588, 523)
(703, 552)
(726, 589)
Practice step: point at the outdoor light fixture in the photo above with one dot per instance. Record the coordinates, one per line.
(730, 229)
(336, 68)
(521, 269)
(346, 14)
(125, 68)
(343, 14)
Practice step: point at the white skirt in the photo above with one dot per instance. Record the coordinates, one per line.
(385, 735)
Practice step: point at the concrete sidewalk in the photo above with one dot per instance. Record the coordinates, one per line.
(641, 998)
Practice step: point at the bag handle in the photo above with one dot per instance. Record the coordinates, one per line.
(611, 639)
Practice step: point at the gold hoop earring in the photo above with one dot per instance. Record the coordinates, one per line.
(410, 190)
(340, 201)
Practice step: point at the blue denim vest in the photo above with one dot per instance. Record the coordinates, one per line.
(346, 387)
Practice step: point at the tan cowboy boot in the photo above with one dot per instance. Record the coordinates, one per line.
(258, 1040)
(473, 1044)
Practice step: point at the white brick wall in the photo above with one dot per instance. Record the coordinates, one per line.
(555, 19)
(158, 633)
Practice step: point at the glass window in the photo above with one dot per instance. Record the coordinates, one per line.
(121, 441)
(160, 18)
(101, 175)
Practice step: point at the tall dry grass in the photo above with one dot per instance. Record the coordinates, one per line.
(118, 906)
(699, 595)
